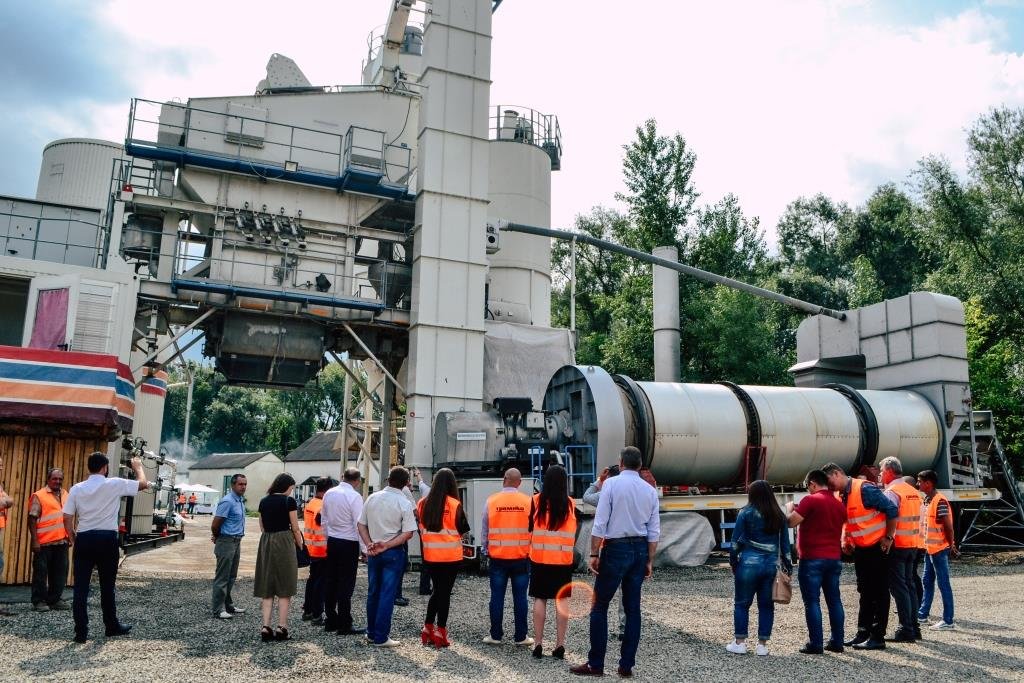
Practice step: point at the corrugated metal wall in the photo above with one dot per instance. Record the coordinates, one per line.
(77, 171)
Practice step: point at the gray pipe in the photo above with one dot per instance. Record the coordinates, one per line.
(666, 318)
(704, 275)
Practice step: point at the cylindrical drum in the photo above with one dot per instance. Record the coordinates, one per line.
(77, 171)
(908, 428)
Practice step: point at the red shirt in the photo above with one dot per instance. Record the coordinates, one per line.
(819, 536)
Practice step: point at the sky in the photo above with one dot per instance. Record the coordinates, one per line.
(777, 99)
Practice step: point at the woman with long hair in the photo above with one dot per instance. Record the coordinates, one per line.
(553, 538)
(759, 540)
(276, 562)
(442, 524)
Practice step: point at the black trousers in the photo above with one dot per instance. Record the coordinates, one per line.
(339, 574)
(443, 575)
(95, 550)
(871, 566)
(902, 585)
(918, 583)
(49, 573)
(313, 602)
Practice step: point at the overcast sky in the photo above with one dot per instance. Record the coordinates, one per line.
(777, 99)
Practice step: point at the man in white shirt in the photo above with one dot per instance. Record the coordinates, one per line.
(96, 502)
(339, 515)
(385, 526)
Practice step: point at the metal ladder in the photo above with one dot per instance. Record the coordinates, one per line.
(995, 524)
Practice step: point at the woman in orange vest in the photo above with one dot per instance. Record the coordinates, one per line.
(553, 523)
(442, 523)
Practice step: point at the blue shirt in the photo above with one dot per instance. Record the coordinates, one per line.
(232, 508)
(628, 507)
(750, 535)
(873, 499)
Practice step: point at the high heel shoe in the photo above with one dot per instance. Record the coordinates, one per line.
(558, 652)
(538, 653)
(441, 637)
(427, 634)
(266, 634)
(282, 634)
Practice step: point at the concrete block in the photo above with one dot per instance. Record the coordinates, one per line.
(897, 313)
(875, 350)
(927, 307)
(873, 320)
(900, 346)
(940, 339)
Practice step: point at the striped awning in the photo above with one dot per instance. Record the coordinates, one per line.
(65, 392)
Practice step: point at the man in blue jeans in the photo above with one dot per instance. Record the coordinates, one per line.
(940, 544)
(385, 525)
(623, 540)
(505, 537)
(820, 517)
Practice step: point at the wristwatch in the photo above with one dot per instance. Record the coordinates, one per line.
(889, 538)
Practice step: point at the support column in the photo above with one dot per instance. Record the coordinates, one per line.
(666, 318)
(446, 336)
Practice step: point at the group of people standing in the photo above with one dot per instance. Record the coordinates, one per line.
(886, 530)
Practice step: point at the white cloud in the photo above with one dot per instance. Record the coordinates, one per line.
(778, 100)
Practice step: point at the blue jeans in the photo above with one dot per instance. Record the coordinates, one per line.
(384, 572)
(755, 575)
(815, 576)
(501, 571)
(936, 568)
(622, 564)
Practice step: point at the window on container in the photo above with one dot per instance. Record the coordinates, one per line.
(13, 303)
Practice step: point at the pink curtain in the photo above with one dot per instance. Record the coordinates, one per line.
(50, 329)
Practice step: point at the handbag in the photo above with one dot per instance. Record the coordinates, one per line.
(302, 556)
(782, 587)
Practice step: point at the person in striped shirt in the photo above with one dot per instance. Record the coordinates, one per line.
(940, 544)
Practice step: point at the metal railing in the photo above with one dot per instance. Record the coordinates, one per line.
(65, 240)
(522, 124)
(256, 145)
(272, 272)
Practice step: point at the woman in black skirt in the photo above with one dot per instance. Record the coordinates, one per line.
(442, 523)
(552, 543)
(276, 563)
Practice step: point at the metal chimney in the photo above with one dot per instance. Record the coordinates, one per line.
(666, 318)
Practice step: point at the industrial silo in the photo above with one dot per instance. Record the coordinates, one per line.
(77, 171)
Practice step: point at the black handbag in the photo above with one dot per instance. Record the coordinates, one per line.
(302, 556)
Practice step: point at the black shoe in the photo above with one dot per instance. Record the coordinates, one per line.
(624, 673)
(308, 616)
(353, 631)
(558, 652)
(834, 647)
(902, 635)
(401, 602)
(870, 644)
(917, 633)
(538, 653)
(80, 637)
(329, 627)
(266, 634)
(319, 621)
(118, 630)
(862, 636)
(809, 649)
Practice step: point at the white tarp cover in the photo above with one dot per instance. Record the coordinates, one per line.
(686, 539)
(520, 359)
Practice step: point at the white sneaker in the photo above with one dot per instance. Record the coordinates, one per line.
(527, 641)
(237, 610)
(224, 614)
(491, 641)
(737, 648)
(388, 643)
(761, 650)
(941, 626)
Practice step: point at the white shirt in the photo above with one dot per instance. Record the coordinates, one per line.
(97, 501)
(340, 512)
(387, 514)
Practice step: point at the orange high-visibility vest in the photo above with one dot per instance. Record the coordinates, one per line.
(444, 545)
(50, 525)
(192, 498)
(553, 546)
(863, 526)
(313, 533)
(908, 524)
(181, 499)
(508, 525)
(934, 534)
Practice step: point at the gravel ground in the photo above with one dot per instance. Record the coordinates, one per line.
(687, 621)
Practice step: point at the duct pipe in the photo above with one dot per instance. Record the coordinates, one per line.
(666, 318)
(703, 275)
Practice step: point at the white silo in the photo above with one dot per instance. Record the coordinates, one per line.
(77, 171)
(520, 191)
